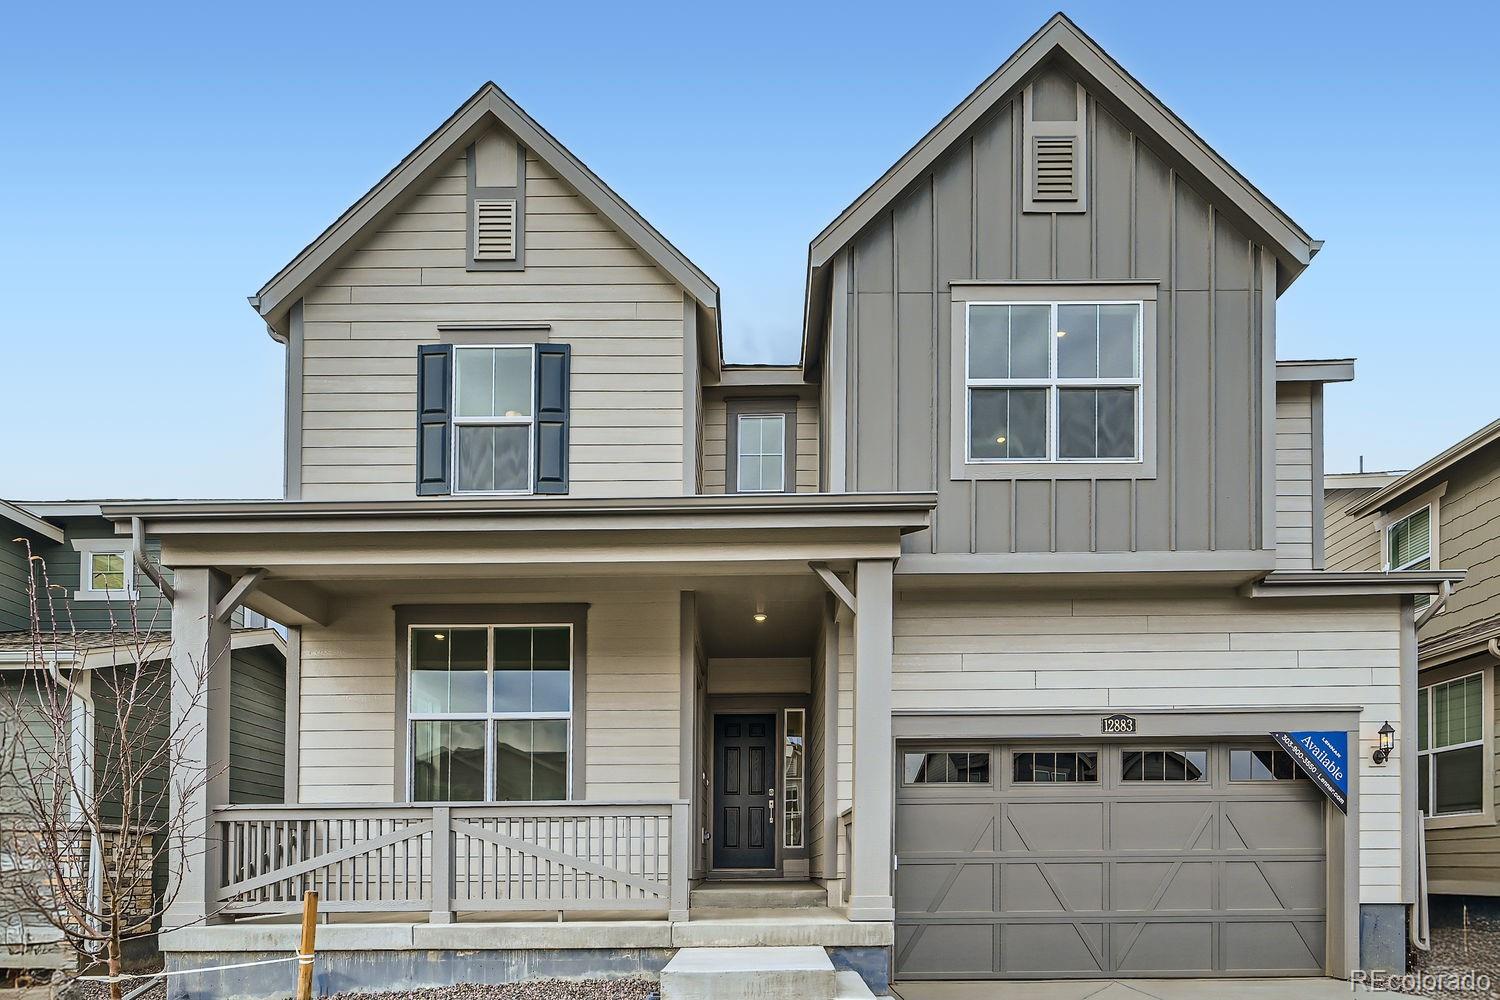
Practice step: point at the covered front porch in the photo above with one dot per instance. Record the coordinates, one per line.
(676, 737)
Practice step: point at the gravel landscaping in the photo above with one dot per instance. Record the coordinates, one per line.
(536, 989)
(1456, 951)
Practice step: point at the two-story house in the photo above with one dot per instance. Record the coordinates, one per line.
(73, 600)
(955, 649)
(1444, 513)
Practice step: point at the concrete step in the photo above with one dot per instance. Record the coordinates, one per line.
(749, 974)
(757, 896)
(852, 987)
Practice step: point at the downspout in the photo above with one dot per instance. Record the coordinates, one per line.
(96, 848)
(144, 563)
(1421, 928)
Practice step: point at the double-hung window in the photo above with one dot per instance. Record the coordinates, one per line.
(1450, 747)
(490, 712)
(761, 453)
(1053, 381)
(492, 419)
(1408, 545)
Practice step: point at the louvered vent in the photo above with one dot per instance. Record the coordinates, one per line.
(1054, 168)
(495, 229)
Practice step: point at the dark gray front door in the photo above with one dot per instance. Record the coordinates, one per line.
(1183, 859)
(744, 796)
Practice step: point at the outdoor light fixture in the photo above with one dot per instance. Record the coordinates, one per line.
(1000, 439)
(439, 636)
(760, 617)
(1387, 744)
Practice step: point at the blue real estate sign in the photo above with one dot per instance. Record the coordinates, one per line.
(1324, 756)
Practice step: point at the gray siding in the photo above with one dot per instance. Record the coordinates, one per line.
(962, 221)
(63, 563)
(1465, 858)
(257, 727)
(14, 613)
(1352, 543)
(1469, 539)
(151, 803)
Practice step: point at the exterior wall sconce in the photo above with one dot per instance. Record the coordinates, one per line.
(1387, 744)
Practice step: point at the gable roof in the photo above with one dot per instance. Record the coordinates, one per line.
(1428, 470)
(488, 105)
(29, 521)
(1136, 107)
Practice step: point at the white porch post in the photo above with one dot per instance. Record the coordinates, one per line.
(200, 646)
(870, 896)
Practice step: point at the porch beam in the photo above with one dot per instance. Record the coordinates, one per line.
(241, 589)
(835, 585)
(290, 602)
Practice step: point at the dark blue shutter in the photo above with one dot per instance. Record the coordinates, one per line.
(553, 372)
(434, 419)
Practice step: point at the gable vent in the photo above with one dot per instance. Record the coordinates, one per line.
(495, 229)
(1054, 168)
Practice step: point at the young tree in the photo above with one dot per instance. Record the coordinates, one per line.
(94, 776)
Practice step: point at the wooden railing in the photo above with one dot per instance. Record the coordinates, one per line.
(442, 859)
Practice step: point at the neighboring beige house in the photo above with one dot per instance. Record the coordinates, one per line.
(1443, 514)
(954, 649)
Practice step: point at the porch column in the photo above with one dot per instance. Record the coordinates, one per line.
(200, 649)
(870, 862)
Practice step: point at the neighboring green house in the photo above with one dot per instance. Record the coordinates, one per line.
(96, 611)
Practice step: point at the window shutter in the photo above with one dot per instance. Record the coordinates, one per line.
(553, 373)
(434, 419)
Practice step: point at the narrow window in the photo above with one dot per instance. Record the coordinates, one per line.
(761, 453)
(1408, 545)
(1164, 765)
(1054, 382)
(946, 768)
(793, 776)
(1450, 747)
(1054, 766)
(491, 712)
(492, 419)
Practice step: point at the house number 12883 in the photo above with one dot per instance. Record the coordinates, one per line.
(1118, 725)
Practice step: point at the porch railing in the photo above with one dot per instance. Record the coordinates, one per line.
(442, 859)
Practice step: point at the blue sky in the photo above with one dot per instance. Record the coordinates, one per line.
(160, 162)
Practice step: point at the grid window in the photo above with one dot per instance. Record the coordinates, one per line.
(491, 712)
(1450, 747)
(946, 768)
(1164, 765)
(1051, 766)
(106, 571)
(492, 419)
(1263, 765)
(761, 453)
(1053, 381)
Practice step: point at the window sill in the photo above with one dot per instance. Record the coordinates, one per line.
(1099, 469)
(100, 596)
(1461, 821)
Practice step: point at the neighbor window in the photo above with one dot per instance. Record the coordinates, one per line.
(1408, 545)
(492, 419)
(760, 453)
(1450, 747)
(1164, 765)
(105, 573)
(946, 768)
(1051, 766)
(490, 709)
(1053, 381)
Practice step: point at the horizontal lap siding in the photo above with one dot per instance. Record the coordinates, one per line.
(15, 613)
(963, 221)
(1351, 544)
(1469, 539)
(808, 459)
(622, 315)
(715, 428)
(716, 446)
(1120, 654)
(1468, 854)
(348, 697)
(257, 727)
(1294, 475)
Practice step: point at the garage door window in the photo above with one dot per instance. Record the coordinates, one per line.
(946, 768)
(1450, 747)
(1164, 765)
(1263, 765)
(1050, 766)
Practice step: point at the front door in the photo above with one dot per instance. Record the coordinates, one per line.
(744, 791)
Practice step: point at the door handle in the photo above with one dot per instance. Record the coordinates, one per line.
(771, 798)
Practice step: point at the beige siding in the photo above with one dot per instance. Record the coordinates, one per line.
(715, 446)
(715, 420)
(1352, 543)
(348, 697)
(362, 325)
(807, 446)
(1469, 539)
(1467, 858)
(1177, 650)
(816, 740)
(1294, 476)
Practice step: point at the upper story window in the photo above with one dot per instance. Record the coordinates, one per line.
(1451, 757)
(761, 453)
(106, 571)
(1409, 545)
(1053, 381)
(492, 419)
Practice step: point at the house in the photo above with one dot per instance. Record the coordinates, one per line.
(1443, 514)
(96, 619)
(955, 649)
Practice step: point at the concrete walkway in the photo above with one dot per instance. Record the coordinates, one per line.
(1140, 989)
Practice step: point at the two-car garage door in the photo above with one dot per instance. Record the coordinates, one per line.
(1127, 860)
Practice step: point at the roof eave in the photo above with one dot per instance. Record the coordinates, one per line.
(1418, 477)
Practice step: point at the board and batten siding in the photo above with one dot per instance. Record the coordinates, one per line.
(622, 315)
(716, 446)
(979, 653)
(1294, 476)
(631, 713)
(963, 221)
(1351, 544)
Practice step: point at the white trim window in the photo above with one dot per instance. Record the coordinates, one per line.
(494, 409)
(1409, 545)
(1053, 382)
(760, 451)
(105, 571)
(490, 712)
(1450, 747)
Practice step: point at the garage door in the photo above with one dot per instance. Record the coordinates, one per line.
(1132, 860)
